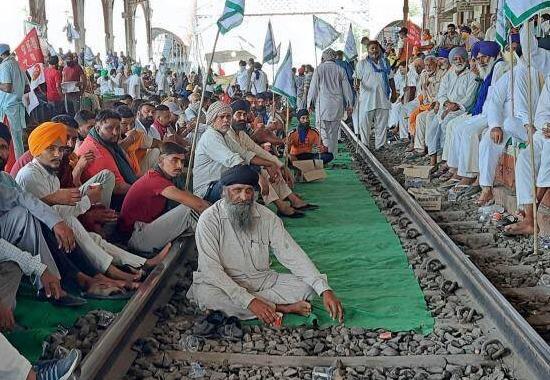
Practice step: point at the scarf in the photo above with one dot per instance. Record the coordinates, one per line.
(302, 132)
(119, 156)
(384, 70)
(482, 92)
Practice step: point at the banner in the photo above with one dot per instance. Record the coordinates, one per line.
(350, 49)
(324, 34)
(233, 14)
(501, 35)
(29, 51)
(284, 80)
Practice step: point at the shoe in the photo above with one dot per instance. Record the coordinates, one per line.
(207, 326)
(295, 215)
(308, 206)
(60, 369)
(68, 300)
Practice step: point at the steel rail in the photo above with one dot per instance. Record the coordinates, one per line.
(531, 353)
(107, 351)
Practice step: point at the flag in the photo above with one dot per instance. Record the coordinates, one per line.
(233, 14)
(324, 34)
(270, 49)
(276, 60)
(501, 25)
(519, 11)
(350, 49)
(29, 51)
(284, 80)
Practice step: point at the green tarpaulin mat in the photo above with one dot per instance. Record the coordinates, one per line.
(354, 245)
(41, 319)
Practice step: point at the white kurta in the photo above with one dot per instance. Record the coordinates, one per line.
(241, 78)
(234, 265)
(258, 85)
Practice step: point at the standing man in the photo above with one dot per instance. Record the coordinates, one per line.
(329, 93)
(12, 87)
(374, 89)
(73, 73)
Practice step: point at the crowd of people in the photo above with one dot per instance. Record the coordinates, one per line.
(93, 193)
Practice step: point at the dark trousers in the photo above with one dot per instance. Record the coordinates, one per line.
(325, 157)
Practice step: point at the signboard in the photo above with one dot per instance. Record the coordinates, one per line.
(463, 6)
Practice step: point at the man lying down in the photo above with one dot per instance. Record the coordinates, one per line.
(234, 238)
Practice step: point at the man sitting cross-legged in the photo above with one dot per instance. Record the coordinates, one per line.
(144, 219)
(234, 239)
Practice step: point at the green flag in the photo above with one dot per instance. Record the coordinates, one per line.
(233, 14)
(284, 80)
(519, 11)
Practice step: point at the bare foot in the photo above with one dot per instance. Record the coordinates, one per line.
(117, 274)
(466, 181)
(525, 227)
(300, 308)
(118, 283)
(485, 197)
(154, 261)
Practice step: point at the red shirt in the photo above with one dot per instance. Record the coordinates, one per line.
(103, 160)
(144, 202)
(72, 74)
(53, 82)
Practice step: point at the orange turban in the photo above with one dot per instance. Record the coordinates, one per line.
(45, 135)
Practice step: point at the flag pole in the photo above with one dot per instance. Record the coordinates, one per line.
(287, 152)
(194, 145)
(530, 139)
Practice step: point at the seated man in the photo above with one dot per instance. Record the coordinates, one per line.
(234, 239)
(144, 219)
(162, 120)
(217, 151)
(145, 117)
(304, 140)
(45, 143)
(272, 191)
(102, 141)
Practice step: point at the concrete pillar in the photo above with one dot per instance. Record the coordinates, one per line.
(129, 10)
(37, 10)
(78, 16)
(108, 22)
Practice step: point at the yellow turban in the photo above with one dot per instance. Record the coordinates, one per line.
(45, 135)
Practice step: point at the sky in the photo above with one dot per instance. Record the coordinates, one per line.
(176, 17)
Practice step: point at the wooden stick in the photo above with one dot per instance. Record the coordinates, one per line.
(195, 133)
(287, 148)
(530, 139)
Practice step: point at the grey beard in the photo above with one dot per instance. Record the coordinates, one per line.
(485, 71)
(240, 214)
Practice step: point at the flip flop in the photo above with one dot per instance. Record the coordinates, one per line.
(506, 221)
(470, 190)
(208, 325)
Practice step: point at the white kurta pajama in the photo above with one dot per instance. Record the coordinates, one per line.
(399, 112)
(429, 88)
(234, 266)
(457, 88)
(329, 91)
(35, 179)
(375, 103)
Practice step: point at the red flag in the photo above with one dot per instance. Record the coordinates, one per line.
(414, 34)
(29, 51)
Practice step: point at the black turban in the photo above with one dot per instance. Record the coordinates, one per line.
(240, 105)
(240, 175)
(302, 112)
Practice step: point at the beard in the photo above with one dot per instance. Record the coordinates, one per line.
(146, 121)
(240, 214)
(239, 126)
(485, 71)
(459, 67)
(52, 170)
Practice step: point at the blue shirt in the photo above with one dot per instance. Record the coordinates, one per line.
(11, 73)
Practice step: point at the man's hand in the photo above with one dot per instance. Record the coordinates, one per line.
(7, 321)
(274, 172)
(263, 311)
(51, 284)
(201, 205)
(65, 236)
(310, 110)
(85, 159)
(94, 194)
(333, 305)
(451, 107)
(68, 197)
(264, 185)
(496, 135)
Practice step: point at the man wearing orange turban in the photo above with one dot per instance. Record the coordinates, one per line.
(45, 135)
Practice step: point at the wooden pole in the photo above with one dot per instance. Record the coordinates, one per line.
(195, 133)
(287, 150)
(530, 137)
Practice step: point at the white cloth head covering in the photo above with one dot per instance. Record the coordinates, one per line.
(215, 109)
(328, 55)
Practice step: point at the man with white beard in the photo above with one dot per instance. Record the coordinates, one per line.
(463, 132)
(456, 94)
(421, 117)
(374, 95)
(234, 239)
(328, 93)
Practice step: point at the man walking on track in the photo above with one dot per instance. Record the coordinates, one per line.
(330, 91)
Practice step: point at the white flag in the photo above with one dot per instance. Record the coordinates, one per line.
(519, 11)
(270, 49)
(284, 80)
(233, 14)
(501, 36)
(324, 34)
(350, 50)
(277, 57)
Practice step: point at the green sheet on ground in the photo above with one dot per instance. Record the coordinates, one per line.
(353, 243)
(41, 319)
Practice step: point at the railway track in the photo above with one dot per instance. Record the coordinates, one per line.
(478, 333)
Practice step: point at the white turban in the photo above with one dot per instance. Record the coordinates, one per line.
(215, 109)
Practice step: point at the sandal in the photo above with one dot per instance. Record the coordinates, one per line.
(506, 221)
(207, 327)
(308, 206)
(106, 292)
